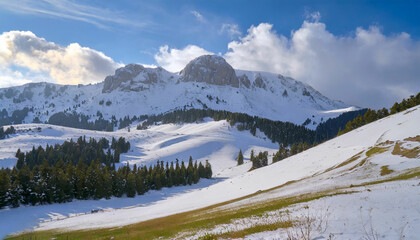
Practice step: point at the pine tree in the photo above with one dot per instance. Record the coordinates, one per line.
(24, 178)
(131, 185)
(201, 170)
(117, 155)
(35, 186)
(140, 188)
(14, 194)
(293, 149)
(240, 158)
(264, 159)
(21, 159)
(196, 177)
(4, 187)
(183, 174)
(209, 172)
(107, 183)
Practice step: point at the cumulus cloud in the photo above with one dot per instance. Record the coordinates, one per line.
(366, 68)
(9, 77)
(175, 60)
(231, 29)
(72, 64)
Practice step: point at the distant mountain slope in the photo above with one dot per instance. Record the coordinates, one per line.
(206, 82)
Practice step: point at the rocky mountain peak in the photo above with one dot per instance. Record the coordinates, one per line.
(132, 77)
(211, 69)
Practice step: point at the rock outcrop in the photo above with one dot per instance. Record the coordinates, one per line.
(210, 69)
(132, 77)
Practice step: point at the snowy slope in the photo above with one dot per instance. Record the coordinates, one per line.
(214, 141)
(316, 169)
(207, 81)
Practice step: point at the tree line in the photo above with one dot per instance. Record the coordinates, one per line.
(71, 152)
(358, 119)
(17, 116)
(52, 176)
(373, 115)
(7, 132)
(81, 121)
(261, 159)
(277, 131)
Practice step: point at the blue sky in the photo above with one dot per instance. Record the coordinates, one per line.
(137, 32)
(148, 25)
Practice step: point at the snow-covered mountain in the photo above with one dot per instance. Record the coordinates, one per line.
(206, 82)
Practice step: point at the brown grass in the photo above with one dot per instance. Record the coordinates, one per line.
(376, 150)
(413, 139)
(350, 160)
(361, 163)
(387, 142)
(385, 170)
(405, 152)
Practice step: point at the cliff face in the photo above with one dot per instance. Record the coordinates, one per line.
(133, 77)
(210, 69)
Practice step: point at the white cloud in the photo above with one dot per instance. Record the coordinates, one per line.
(148, 65)
(100, 17)
(174, 60)
(198, 16)
(231, 29)
(366, 68)
(313, 16)
(72, 64)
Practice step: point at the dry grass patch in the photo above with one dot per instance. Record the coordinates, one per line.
(386, 143)
(385, 170)
(413, 139)
(376, 150)
(361, 163)
(405, 152)
(350, 160)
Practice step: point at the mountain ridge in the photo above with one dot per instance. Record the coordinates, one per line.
(206, 82)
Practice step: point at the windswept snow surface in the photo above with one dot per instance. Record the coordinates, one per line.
(309, 163)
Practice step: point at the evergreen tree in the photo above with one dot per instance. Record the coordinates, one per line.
(140, 187)
(209, 172)
(4, 188)
(107, 183)
(117, 155)
(24, 180)
(131, 185)
(240, 158)
(293, 149)
(14, 194)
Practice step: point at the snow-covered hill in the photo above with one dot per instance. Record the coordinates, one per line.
(217, 142)
(206, 82)
(385, 151)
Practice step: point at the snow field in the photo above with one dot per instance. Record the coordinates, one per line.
(306, 164)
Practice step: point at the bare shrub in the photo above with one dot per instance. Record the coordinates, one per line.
(307, 223)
